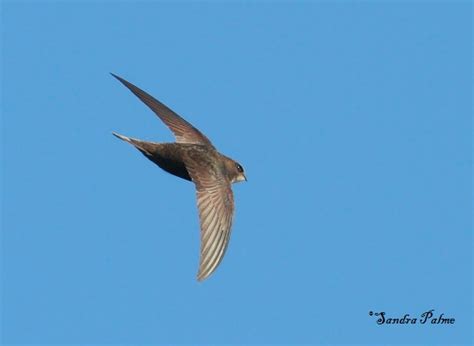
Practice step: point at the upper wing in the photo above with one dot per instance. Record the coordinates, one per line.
(183, 131)
(215, 202)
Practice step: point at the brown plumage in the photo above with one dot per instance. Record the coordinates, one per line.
(194, 158)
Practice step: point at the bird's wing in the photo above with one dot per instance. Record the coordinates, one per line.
(183, 131)
(215, 202)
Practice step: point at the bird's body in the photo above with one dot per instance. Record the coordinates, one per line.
(194, 158)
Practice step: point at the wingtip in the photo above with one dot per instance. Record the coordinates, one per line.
(115, 76)
(123, 81)
(203, 275)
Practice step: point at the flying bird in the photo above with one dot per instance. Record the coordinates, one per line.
(193, 157)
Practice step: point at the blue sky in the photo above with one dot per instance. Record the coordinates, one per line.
(352, 120)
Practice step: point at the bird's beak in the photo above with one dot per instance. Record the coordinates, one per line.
(240, 177)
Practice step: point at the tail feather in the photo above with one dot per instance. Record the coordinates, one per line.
(145, 147)
(122, 137)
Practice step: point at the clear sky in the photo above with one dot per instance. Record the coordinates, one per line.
(352, 120)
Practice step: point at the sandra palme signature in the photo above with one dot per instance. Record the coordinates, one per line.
(428, 317)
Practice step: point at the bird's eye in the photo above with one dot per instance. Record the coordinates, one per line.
(239, 168)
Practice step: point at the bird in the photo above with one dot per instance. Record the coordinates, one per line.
(193, 157)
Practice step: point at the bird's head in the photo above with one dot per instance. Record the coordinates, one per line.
(235, 171)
